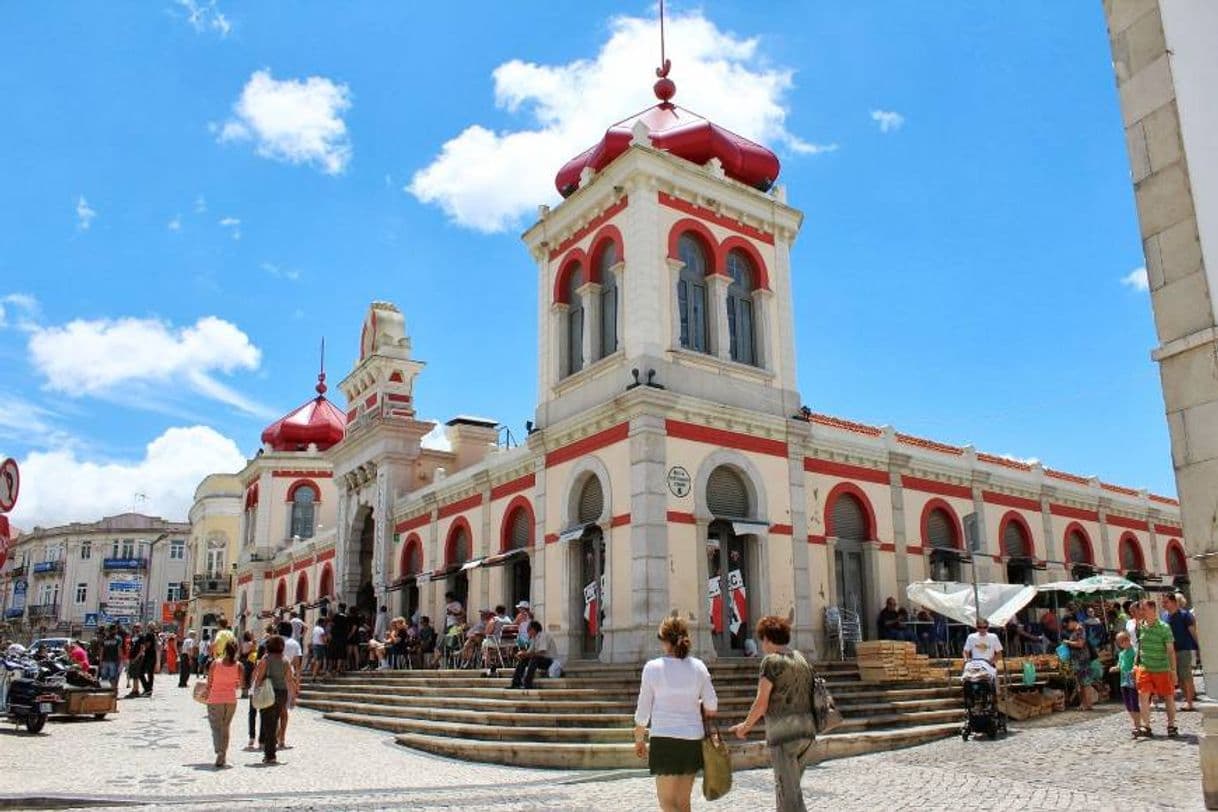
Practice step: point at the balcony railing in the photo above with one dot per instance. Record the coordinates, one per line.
(213, 585)
(17, 571)
(47, 567)
(124, 564)
(44, 611)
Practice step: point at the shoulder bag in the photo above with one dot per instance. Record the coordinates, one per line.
(716, 761)
(200, 692)
(825, 714)
(264, 696)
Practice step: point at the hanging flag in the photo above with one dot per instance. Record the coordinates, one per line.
(591, 607)
(714, 596)
(738, 600)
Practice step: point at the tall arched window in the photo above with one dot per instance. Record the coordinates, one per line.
(1015, 543)
(520, 530)
(1131, 555)
(726, 494)
(941, 530)
(459, 548)
(303, 500)
(691, 294)
(849, 518)
(1078, 549)
(1177, 561)
(326, 585)
(412, 558)
(302, 588)
(591, 501)
(604, 265)
(575, 320)
(740, 308)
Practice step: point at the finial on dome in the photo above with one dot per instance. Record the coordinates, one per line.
(664, 87)
(321, 374)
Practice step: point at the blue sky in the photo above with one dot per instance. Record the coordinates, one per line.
(195, 193)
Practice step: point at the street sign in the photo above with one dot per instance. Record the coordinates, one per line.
(10, 484)
(4, 531)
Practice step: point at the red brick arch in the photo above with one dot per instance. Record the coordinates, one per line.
(304, 483)
(573, 258)
(412, 543)
(451, 540)
(927, 509)
(1013, 516)
(281, 593)
(302, 588)
(710, 245)
(854, 490)
(607, 234)
(1130, 541)
(1085, 536)
(325, 584)
(505, 527)
(1176, 560)
(761, 279)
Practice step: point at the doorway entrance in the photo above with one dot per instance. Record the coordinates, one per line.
(365, 598)
(589, 603)
(851, 579)
(729, 569)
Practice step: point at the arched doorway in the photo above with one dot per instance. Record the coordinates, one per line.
(518, 536)
(412, 565)
(1177, 566)
(365, 597)
(589, 576)
(730, 560)
(458, 551)
(941, 535)
(1079, 556)
(281, 594)
(1017, 549)
(848, 523)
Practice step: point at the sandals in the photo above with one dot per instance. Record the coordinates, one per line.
(1143, 733)
(1173, 732)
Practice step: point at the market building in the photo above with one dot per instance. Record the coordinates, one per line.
(672, 464)
(75, 577)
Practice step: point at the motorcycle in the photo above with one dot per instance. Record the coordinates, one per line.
(33, 687)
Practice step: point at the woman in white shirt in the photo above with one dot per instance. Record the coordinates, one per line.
(674, 692)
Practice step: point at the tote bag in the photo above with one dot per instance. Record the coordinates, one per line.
(200, 692)
(716, 762)
(264, 696)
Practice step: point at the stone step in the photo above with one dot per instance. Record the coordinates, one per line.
(601, 756)
(523, 702)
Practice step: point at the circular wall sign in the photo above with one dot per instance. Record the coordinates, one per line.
(10, 484)
(678, 481)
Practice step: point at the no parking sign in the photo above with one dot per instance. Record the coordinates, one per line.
(10, 484)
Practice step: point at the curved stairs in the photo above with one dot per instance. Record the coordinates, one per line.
(583, 720)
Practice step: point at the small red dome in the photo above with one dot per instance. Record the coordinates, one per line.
(684, 134)
(316, 422)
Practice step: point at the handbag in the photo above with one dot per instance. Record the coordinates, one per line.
(825, 715)
(263, 696)
(716, 761)
(199, 693)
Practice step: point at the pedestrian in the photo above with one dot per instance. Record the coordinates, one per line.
(1126, 655)
(135, 661)
(1155, 671)
(784, 698)
(381, 627)
(203, 653)
(318, 646)
(674, 694)
(221, 639)
(539, 654)
(223, 676)
(111, 652)
(151, 659)
(275, 669)
(1184, 637)
(186, 659)
(1080, 659)
(257, 650)
(248, 655)
(171, 652)
(298, 627)
(294, 657)
(340, 630)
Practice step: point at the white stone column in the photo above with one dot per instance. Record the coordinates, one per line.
(648, 535)
(675, 267)
(619, 279)
(590, 295)
(763, 306)
(807, 620)
(562, 340)
(719, 341)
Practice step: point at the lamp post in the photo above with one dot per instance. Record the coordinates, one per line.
(148, 578)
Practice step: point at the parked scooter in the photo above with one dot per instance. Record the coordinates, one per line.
(32, 688)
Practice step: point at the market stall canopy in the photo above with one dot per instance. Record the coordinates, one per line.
(1098, 585)
(999, 602)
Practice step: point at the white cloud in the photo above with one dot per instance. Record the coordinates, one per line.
(175, 224)
(204, 15)
(888, 120)
(200, 205)
(59, 486)
(294, 120)
(84, 214)
(233, 225)
(279, 272)
(29, 424)
(145, 360)
(1136, 279)
(489, 180)
(19, 310)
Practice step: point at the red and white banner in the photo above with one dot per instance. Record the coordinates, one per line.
(592, 608)
(739, 600)
(714, 596)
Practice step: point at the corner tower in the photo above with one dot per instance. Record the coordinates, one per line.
(670, 256)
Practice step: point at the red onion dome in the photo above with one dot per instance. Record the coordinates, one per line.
(316, 422)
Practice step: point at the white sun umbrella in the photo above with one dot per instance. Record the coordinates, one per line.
(999, 602)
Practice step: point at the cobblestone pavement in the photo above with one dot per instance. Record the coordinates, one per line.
(157, 753)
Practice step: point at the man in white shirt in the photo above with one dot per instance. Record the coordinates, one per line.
(186, 659)
(381, 627)
(539, 654)
(983, 647)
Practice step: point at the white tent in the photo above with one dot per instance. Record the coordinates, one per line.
(999, 602)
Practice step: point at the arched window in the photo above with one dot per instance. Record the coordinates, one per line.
(941, 529)
(1131, 555)
(591, 501)
(740, 307)
(1015, 542)
(691, 294)
(412, 557)
(575, 320)
(326, 585)
(1177, 562)
(726, 494)
(604, 265)
(281, 593)
(302, 588)
(519, 534)
(1078, 548)
(303, 499)
(459, 547)
(849, 518)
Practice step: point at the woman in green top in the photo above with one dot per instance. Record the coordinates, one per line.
(784, 698)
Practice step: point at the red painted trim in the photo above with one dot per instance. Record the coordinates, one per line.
(817, 539)
(850, 488)
(1128, 523)
(1029, 540)
(915, 483)
(724, 438)
(514, 486)
(913, 549)
(762, 280)
(266, 576)
(245, 579)
(505, 526)
(781, 530)
(413, 542)
(714, 217)
(1108, 486)
(325, 555)
(576, 257)
(887, 547)
(282, 571)
(352, 416)
(302, 564)
(450, 542)
(710, 246)
(929, 445)
(325, 582)
(993, 459)
(1062, 475)
(304, 483)
(460, 506)
(607, 234)
(932, 504)
(588, 444)
(1175, 546)
(1006, 500)
(1166, 500)
(302, 595)
(371, 401)
(413, 523)
(590, 226)
(1086, 537)
(251, 496)
(284, 473)
(1128, 539)
(680, 517)
(393, 397)
(618, 521)
(1168, 530)
(281, 593)
(845, 425)
(396, 377)
(551, 538)
(1074, 513)
(846, 471)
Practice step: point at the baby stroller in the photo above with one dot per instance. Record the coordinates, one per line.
(981, 702)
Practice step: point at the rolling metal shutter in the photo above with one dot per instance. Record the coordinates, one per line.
(849, 519)
(460, 547)
(940, 529)
(591, 501)
(1076, 548)
(726, 495)
(519, 534)
(1014, 542)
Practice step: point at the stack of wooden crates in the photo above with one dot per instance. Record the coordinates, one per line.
(891, 661)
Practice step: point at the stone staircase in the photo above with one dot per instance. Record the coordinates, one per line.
(584, 719)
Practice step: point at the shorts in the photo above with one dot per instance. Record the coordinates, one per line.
(108, 671)
(667, 756)
(1184, 666)
(319, 651)
(1130, 695)
(1154, 682)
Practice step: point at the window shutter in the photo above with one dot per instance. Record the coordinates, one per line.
(849, 519)
(726, 495)
(519, 533)
(591, 501)
(940, 529)
(1014, 543)
(1076, 548)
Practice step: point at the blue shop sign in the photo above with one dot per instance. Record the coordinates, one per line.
(45, 566)
(123, 563)
(90, 619)
(14, 612)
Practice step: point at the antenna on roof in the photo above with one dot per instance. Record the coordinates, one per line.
(321, 374)
(664, 87)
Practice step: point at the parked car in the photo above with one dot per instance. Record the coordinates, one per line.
(48, 644)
